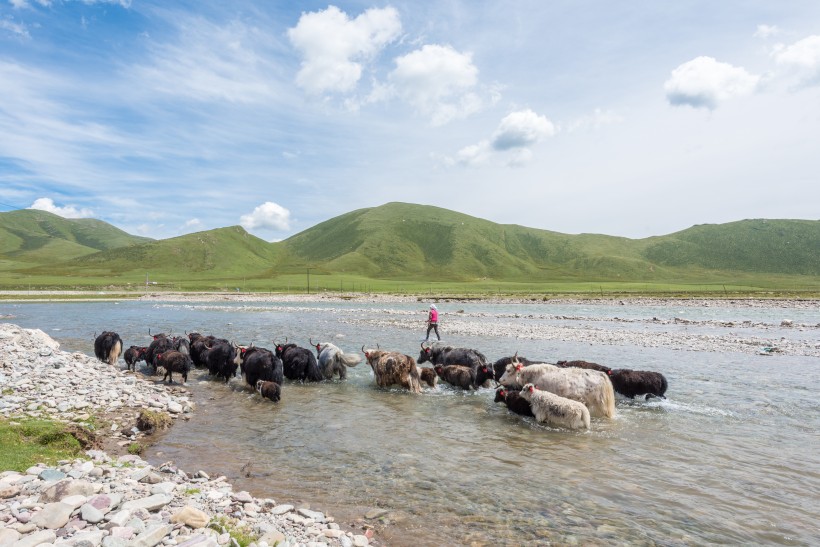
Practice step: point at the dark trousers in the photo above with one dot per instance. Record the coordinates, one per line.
(432, 326)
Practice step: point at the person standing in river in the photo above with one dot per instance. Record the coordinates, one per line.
(432, 322)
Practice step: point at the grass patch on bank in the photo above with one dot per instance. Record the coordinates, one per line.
(24, 443)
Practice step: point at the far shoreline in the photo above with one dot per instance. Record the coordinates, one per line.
(737, 300)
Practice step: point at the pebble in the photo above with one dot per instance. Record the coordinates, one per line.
(121, 501)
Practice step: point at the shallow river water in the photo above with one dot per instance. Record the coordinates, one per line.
(731, 456)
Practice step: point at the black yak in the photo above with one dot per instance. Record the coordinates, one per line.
(630, 383)
(107, 347)
(583, 364)
(133, 355)
(160, 344)
(174, 361)
(515, 403)
(457, 375)
(261, 364)
(222, 360)
(299, 363)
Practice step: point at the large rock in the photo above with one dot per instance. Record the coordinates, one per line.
(191, 516)
(52, 515)
(66, 488)
(151, 537)
(151, 503)
(32, 540)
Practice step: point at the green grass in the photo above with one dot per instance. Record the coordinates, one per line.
(24, 443)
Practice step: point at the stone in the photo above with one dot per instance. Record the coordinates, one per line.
(273, 537)
(92, 538)
(360, 541)
(375, 513)
(122, 532)
(333, 534)
(119, 518)
(191, 516)
(198, 541)
(243, 497)
(91, 514)
(151, 503)
(64, 488)
(8, 536)
(109, 541)
(32, 540)
(50, 475)
(9, 491)
(315, 515)
(151, 537)
(281, 509)
(52, 516)
(74, 501)
(163, 488)
(152, 478)
(174, 407)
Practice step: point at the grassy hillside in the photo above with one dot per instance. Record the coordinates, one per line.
(772, 246)
(405, 247)
(222, 253)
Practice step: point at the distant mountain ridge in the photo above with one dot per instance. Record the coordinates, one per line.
(413, 242)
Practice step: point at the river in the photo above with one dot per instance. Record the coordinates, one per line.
(731, 456)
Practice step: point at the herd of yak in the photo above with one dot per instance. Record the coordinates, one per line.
(564, 394)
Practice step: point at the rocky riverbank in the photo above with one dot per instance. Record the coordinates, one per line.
(114, 498)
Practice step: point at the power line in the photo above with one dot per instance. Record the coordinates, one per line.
(12, 206)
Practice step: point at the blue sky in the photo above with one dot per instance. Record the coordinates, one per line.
(633, 119)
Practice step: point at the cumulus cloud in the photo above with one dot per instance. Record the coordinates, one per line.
(522, 129)
(802, 57)
(705, 82)
(69, 211)
(193, 223)
(438, 82)
(269, 215)
(333, 46)
(510, 143)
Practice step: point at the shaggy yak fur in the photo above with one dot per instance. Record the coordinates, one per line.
(174, 361)
(555, 410)
(457, 375)
(630, 383)
(512, 398)
(107, 347)
(392, 367)
(269, 390)
(333, 360)
(583, 364)
(160, 344)
(447, 355)
(222, 360)
(133, 355)
(428, 376)
(260, 364)
(589, 387)
(299, 363)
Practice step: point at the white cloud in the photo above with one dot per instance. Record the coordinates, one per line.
(333, 46)
(766, 31)
(475, 154)
(15, 28)
(705, 82)
(212, 62)
(69, 211)
(269, 215)
(521, 129)
(802, 57)
(438, 82)
(193, 223)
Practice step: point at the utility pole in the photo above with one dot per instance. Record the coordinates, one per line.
(308, 280)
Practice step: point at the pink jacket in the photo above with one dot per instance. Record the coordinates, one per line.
(433, 316)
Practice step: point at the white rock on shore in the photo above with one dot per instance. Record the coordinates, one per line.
(122, 501)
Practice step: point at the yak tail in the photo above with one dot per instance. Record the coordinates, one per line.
(415, 380)
(313, 372)
(350, 359)
(115, 352)
(607, 400)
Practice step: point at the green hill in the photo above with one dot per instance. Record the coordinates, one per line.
(399, 242)
(30, 236)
